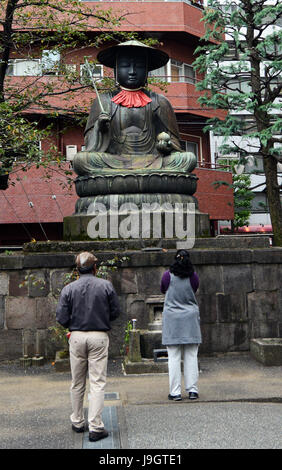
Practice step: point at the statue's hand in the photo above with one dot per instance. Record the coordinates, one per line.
(104, 122)
(164, 143)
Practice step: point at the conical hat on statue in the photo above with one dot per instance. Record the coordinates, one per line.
(156, 58)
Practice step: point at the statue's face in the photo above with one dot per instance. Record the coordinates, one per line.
(131, 68)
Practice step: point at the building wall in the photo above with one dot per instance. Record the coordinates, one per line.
(239, 296)
(156, 16)
(216, 201)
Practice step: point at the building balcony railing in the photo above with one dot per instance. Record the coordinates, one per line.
(180, 91)
(197, 3)
(175, 79)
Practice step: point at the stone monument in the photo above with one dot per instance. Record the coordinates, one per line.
(132, 147)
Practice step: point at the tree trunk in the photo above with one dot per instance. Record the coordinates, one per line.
(273, 196)
(6, 42)
(232, 227)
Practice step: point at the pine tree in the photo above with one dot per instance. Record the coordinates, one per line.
(250, 85)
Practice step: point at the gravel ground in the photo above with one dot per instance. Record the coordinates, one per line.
(35, 406)
(239, 407)
(205, 426)
(15, 368)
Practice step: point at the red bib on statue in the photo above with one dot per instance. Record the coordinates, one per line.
(131, 99)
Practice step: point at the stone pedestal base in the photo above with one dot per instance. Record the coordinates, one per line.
(62, 364)
(25, 361)
(133, 225)
(268, 351)
(136, 182)
(38, 361)
(145, 204)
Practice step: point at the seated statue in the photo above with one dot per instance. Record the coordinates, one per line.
(132, 129)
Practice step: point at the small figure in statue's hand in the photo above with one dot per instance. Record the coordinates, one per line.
(164, 144)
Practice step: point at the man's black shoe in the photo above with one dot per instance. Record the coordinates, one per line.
(193, 396)
(96, 436)
(76, 429)
(175, 397)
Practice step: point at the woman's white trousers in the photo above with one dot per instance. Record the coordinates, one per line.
(190, 368)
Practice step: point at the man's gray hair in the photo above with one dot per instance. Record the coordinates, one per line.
(85, 261)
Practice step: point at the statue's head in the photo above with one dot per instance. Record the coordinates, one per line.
(132, 60)
(131, 68)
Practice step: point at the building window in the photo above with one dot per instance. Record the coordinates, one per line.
(181, 72)
(50, 63)
(259, 203)
(161, 74)
(97, 72)
(229, 8)
(254, 164)
(175, 71)
(188, 146)
(197, 3)
(23, 67)
(233, 52)
(241, 86)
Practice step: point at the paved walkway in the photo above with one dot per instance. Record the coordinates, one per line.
(240, 407)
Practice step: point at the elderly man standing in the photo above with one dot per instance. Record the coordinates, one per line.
(86, 307)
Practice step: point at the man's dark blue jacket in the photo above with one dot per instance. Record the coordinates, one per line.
(88, 304)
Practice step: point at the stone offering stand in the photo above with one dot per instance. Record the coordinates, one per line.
(268, 351)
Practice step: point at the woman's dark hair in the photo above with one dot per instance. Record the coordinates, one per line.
(182, 266)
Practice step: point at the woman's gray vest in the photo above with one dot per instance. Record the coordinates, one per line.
(181, 317)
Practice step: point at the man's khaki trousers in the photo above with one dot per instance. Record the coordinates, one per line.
(88, 351)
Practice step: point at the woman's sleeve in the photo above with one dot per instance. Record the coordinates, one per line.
(165, 282)
(194, 279)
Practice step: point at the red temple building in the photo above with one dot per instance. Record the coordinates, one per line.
(35, 207)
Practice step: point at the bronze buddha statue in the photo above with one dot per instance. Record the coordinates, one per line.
(132, 133)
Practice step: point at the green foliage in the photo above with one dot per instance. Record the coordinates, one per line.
(243, 196)
(59, 335)
(29, 29)
(247, 85)
(71, 277)
(127, 330)
(105, 268)
(238, 85)
(20, 138)
(8, 253)
(34, 281)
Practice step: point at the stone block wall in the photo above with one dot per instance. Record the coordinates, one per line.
(240, 296)
(240, 293)
(28, 297)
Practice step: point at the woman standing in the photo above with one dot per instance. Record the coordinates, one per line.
(181, 325)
